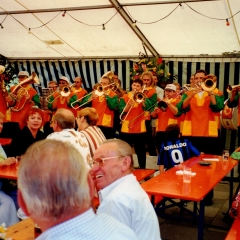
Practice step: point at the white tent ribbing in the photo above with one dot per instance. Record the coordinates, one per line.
(185, 33)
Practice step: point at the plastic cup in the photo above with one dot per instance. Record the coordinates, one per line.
(187, 174)
(225, 155)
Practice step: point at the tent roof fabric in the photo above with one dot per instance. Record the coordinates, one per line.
(197, 29)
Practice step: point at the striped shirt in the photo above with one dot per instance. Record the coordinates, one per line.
(89, 226)
(94, 137)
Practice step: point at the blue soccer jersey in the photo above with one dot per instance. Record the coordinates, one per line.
(175, 151)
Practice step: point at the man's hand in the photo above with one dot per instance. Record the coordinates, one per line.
(9, 161)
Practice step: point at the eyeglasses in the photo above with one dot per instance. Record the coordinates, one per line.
(62, 83)
(100, 161)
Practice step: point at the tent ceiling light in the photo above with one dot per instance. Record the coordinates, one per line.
(53, 42)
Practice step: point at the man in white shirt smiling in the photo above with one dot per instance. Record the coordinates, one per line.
(121, 196)
(56, 191)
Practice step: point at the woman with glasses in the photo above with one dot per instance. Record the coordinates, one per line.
(86, 121)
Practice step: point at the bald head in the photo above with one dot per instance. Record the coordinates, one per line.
(64, 118)
(121, 147)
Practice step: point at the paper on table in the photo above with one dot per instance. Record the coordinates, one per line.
(180, 172)
(211, 159)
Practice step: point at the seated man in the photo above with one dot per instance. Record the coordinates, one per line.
(121, 196)
(175, 150)
(56, 191)
(63, 126)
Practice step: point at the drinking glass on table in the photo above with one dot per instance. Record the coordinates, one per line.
(187, 174)
(225, 155)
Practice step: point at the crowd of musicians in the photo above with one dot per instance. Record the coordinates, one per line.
(67, 112)
(139, 116)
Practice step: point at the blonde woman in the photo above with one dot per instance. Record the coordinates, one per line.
(87, 119)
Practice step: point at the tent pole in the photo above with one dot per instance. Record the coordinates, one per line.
(135, 29)
(235, 29)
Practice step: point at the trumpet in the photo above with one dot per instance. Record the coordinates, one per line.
(209, 82)
(98, 89)
(19, 92)
(230, 88)
(163, 105)
(66, 91)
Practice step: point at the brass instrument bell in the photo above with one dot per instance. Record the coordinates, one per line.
(209, 82)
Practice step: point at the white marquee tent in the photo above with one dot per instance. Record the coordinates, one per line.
(168, 28)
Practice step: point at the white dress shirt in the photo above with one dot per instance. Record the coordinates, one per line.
(125, 200)
(160, 92)
(77, 139)
(89, 226)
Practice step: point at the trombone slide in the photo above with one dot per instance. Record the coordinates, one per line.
(88, 100)
(230, 88)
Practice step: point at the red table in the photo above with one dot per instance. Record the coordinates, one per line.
(170, 185)
(141, 174)
(9, 172)
(234, 233)
(5, 141)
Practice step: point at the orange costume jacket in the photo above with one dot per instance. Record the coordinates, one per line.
(105, 106)
(166, 118)
(62, 102)
(138, 125)
(200, 118)
(79, 93)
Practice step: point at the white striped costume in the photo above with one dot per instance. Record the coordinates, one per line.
(94, 136)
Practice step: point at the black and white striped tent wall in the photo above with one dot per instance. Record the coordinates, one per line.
(92, 70)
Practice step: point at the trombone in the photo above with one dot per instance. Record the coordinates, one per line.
(230, 88)
(161, 104)
(145, 117)
(98, 89)
(189, 87)
(65, 92)
(138, 97)
(209, 82)
(123, 111)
